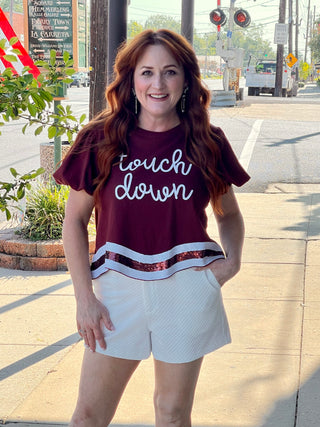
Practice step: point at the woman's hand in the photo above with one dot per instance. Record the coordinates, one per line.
(231, 233)
(92, 315)
(223, 270)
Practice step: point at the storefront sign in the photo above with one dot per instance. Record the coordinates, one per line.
(50, 27)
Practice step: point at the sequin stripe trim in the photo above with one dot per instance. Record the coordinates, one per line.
(157, 266)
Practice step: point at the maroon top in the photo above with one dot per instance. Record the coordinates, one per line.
(152, 220)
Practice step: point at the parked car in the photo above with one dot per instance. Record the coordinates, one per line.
(80, 79)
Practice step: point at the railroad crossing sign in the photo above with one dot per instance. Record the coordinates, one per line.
(291, 60)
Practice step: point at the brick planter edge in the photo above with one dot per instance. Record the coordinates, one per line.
(18, 253)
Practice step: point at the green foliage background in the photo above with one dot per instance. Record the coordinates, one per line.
(250, 39)
(315, 42)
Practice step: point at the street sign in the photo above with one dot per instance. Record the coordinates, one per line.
(23, 59)
(49, 27)
(291, 60)
(281, 33)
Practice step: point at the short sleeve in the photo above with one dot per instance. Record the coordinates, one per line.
(229, 166)
(79, 168)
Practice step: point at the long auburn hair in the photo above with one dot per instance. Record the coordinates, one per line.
(119, 118)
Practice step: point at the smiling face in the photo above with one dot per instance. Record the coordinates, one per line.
(158, 83)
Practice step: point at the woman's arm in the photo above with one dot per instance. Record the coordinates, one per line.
(231, 232)
(91, 314)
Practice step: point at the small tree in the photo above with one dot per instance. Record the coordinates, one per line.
(31, 99)
(315, 42)
(13, 192)
(304, 70)
(134, 28)
(155, 22)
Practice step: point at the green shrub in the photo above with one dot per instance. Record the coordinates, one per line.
(45, 210)
(13, 192)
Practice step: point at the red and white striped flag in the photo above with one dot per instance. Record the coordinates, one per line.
(23, 59)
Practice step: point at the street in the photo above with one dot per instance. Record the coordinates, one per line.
(285, 148)
(276, 139)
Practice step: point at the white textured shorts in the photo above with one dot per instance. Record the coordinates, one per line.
(178, 319)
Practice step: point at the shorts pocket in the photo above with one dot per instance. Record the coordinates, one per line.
(211, 278)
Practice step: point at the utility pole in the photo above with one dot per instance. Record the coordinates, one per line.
(187, 18)
(219, 26)
(313, 29)
(280, 51)
(98, 55)
(290, 23)
(228, 70)
(117, 31)
(297, 39)
(297, 30)
(230, 22)
(307, 34)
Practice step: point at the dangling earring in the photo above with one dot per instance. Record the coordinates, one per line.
(183, 100)
(135, 102)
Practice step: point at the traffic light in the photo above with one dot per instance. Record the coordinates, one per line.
(218, 17)
(242, 18)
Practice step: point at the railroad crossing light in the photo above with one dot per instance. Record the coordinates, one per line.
(218, 17)
(242, 18)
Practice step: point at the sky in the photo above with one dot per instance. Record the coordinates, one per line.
(265, 12)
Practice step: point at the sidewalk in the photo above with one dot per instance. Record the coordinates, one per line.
(306, 107)
(268, 377)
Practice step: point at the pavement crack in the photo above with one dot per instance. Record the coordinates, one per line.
(303, 305)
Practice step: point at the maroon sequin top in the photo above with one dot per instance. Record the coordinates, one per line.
(151, 221)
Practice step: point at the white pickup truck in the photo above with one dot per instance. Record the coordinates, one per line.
(261, 78)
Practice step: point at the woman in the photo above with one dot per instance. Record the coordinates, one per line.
(149, 165)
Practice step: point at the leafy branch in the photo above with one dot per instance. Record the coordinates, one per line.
(29, 98)
(32, 99)
(12, 192)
